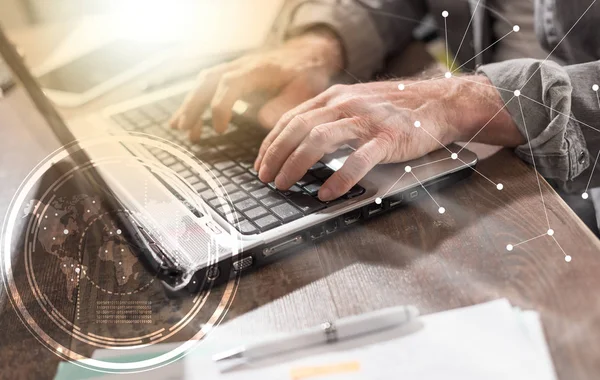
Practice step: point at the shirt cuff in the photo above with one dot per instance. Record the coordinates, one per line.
(363, 48)
(542, 112)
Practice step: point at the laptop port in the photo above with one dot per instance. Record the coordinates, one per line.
(289, 243)
(352, 217)
(375, 208)
(396, 200)
(317, 232)
(331, 227)
(242, 264)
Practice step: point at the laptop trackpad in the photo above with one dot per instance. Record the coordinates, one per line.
(336, 159)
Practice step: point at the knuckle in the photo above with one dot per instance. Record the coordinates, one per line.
(320, 134)
(337, 88)
(362, 159)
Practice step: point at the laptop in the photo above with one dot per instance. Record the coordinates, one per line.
(198, 213)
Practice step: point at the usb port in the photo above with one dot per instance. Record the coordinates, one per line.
(331, 227)
(396, 200)
(375, 208)
(317, 232)
(352, 217)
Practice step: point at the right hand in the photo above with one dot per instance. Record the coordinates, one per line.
(297, 71)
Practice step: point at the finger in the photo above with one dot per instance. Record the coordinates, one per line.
(284, 121)
(234, 85)
(357, 165)
(196, 101)
(290, 97)
(289, 139)
(323, 139)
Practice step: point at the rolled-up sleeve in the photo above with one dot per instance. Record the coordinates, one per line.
(559, 117)
(368, 33)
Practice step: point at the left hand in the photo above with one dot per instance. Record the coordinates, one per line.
(378, 120)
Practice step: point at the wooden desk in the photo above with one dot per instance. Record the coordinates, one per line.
(410, 256)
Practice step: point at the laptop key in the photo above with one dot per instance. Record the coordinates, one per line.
(246, 228)
(253, 185)
(323, 173)
(261, 193)
(313, 188)
(267, 222)
(318, 165)
(271, 199)
(244, 177)
(200, 186)
(246, 204)
(355, 191)
(286, 212)
(295, 189)
(256, 212)
(225, 164)
(306, 203)
(237, 196)
(208, 194)
(232, 172)
(307, 179)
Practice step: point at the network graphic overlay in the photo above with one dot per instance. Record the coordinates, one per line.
(517, 94)
(83, 284)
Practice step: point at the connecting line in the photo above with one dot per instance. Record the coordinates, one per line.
(558, 44)
(486, 124)
(446, 32)
(481, 52)
(423, 81)
(528, 240)
(466, 31)
(598, 97)
(431, 163)
(438, 141)
(592, 173)
(483, 84)
(537, 177)
(395, 183)
(478, 172)
(424, 188)
(560, 113)
(567, 257)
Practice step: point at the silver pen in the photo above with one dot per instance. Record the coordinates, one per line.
(328, 332)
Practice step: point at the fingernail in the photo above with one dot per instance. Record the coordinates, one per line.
(325, 194)
(281, 181)
(264, 174)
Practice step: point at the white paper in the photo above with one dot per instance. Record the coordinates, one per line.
(487, 341)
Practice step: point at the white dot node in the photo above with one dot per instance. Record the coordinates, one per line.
(401, 87)
(516, 28)
(509, 247)
(448, 75)
(445, 14)
(45, 216)
(93, 201)
(123, 277)
(517, 93)
(53, 238)
(499, 186)
(71, 279)
(77, 270)
(71, 265)
(106, 251)
(408, 169)
(110, 233)
(417, 124)
(44, 227)
(55, 214)
(119, 232)
(378, 200)
(441, 210)
(568, 258)
(122, 250)
(120, 263)
(454, 156)
(550, 232)
(88, 210)
(584, 195)
(595, 87)
(66, 232)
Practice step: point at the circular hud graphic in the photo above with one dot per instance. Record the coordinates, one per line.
(79, 283)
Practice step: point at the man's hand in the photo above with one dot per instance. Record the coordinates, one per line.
(384, 125)
(298, 70)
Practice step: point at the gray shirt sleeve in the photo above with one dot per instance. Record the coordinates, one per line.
(560, 115)
(368, 32)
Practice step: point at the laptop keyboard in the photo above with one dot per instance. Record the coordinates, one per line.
(254, 205)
